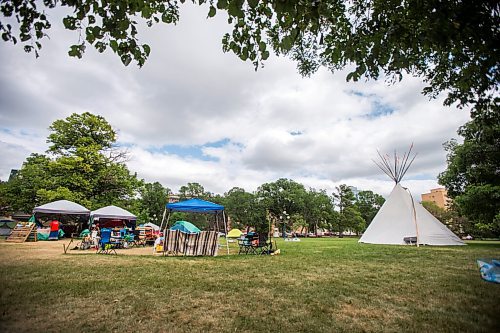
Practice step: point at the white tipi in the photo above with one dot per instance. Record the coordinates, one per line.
(401, 217)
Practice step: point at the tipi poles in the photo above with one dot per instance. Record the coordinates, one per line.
(401, 165)
(405, 165)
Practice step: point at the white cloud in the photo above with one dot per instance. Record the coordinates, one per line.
(320, 131)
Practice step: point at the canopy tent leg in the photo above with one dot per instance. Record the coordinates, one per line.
(225, 230)
(217, 222)
(165, 231)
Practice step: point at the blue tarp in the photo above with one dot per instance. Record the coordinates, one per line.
(195, 206)
(489, 269)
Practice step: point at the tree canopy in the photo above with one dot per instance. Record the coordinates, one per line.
(80, 131)
(349, 217)
(152, 203)
(77, 168)
(472, 177)
(452, 45)
(368, 204)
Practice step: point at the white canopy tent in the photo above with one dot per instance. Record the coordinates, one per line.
(62, 207)
(73, 217)
(152, 225)
(113, 216)
(113, 212)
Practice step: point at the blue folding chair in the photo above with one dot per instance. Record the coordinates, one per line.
(106, 245)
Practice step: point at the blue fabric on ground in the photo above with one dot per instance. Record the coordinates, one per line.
(489, 269)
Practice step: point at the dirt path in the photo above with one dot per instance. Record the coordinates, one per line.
(51, 249)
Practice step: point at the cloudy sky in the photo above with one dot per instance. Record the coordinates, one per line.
(195, 114)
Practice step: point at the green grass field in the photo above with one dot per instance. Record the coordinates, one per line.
(316, 285)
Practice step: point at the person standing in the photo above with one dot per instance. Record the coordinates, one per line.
(54, 230)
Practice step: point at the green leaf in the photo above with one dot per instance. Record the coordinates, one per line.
(253, 3)
(114, 45)
(100, 46)
(222, 4)
(212, 11)
(24, 37)
(146, 12)
(97, 32)
(90, 37)
(287, 43)
(69, 23)
(146, 49)
(234, 9)
(73, 51)
(126, 59)
(166, 18)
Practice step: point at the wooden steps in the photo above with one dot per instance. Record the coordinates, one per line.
(21, 233)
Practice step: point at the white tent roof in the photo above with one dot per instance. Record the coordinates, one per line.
(61, 207)
(152, 225)
(113, 212)
(395, 221)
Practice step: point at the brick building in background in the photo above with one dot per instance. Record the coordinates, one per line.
(439, 196)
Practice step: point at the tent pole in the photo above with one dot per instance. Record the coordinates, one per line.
(216, 217)
(270, 234)
(166, 224)
(217, 222)
(165, 230)
(163, 218)
(225, 231)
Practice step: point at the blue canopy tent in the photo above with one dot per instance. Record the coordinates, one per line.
(196, 206)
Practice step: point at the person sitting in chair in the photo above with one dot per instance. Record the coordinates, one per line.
(94, 236)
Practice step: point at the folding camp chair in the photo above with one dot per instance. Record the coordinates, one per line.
(263, 245)
(254, 243)
(106, 244)
(246, 244)
(139, 238)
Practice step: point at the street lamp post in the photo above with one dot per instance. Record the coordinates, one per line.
(284, 218)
